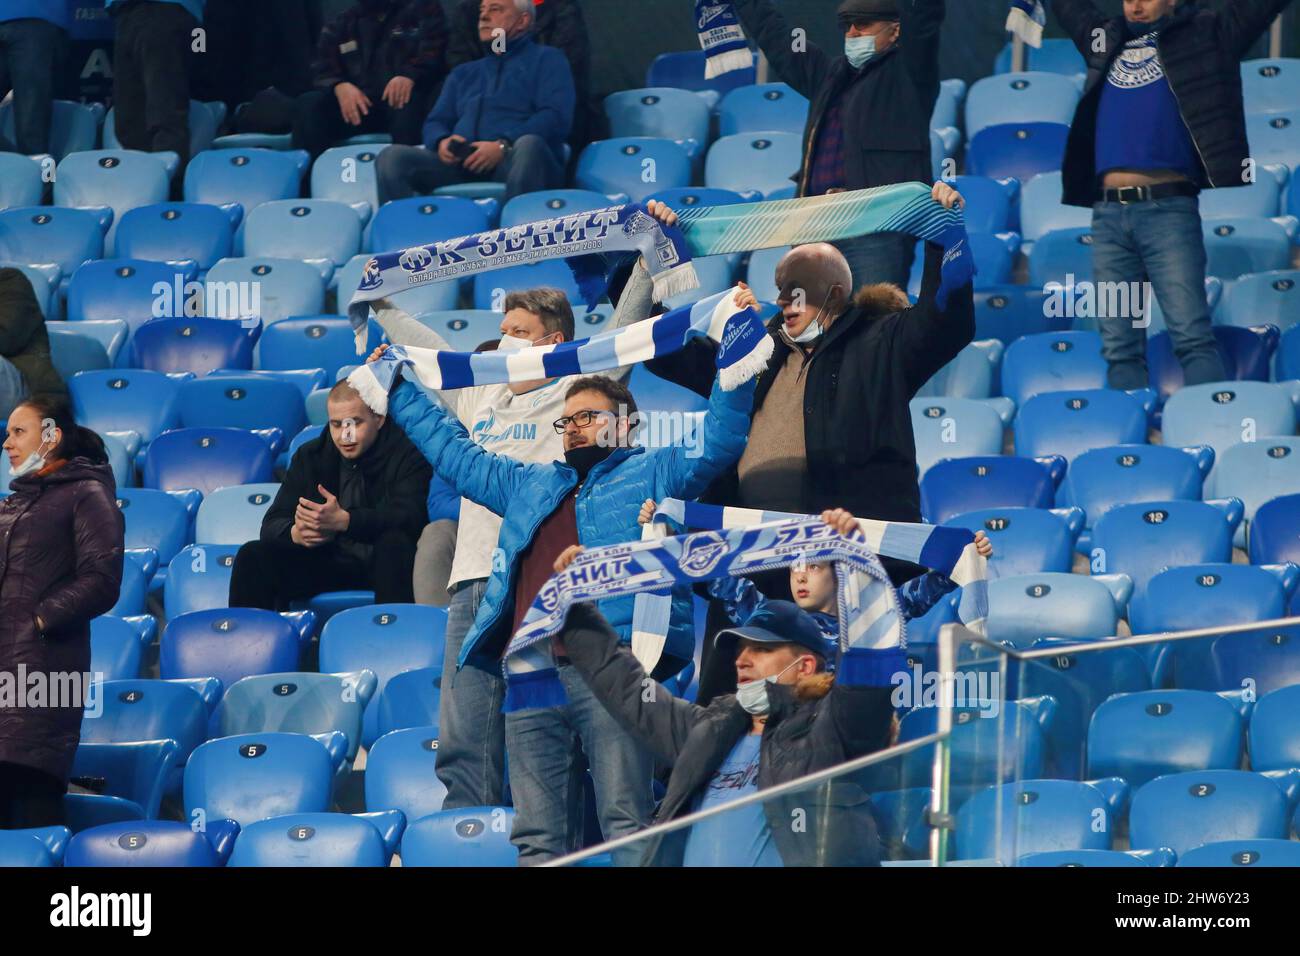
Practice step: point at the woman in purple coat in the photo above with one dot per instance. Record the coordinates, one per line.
(60, 566)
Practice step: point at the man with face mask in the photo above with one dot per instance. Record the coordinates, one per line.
(1161, 118)
(870, 107)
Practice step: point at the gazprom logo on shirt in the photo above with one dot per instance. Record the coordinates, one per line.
(1139, 65)
(484, 431)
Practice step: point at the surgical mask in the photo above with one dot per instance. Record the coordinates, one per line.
(859, 50)
(34, 462)
(814, 329)
(752, 695)
(512, 343)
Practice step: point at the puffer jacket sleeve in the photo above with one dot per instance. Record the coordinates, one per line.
(98, 531)
(685, 472)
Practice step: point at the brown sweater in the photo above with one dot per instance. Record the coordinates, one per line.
(773, 471)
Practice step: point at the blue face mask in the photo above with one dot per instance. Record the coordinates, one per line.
(859, 50)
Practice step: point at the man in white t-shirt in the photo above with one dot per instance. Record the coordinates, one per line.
(514, 420)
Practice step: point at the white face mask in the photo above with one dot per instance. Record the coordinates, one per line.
(859, 50)
(814, 329)
(33, 462)
(512, 343)
(752, 695)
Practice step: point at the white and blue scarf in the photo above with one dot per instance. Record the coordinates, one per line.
(721, 36)
(1026, 19)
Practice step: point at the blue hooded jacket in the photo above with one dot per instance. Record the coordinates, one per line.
(607, 505)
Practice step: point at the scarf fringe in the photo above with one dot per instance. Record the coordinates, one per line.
(752, 365)
(368, 387)
(675, 281)
(719, 63)
(1025, 26)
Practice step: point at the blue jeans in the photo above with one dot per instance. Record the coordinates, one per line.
(405, 171)
(547, 785)
(879, 257)
(1159, 242)
(471, 738)
(30, 50)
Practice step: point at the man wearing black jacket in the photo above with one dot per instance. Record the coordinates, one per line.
(346, 517)
(869, 116)
(377, 63)
(1160, 119)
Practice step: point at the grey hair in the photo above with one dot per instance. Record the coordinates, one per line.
(524, 6)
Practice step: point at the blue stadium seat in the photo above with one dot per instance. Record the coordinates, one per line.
(117, 645)
(947, 108)
(1266, 298)
(760, 274)
(1016, 150)
(197, 345)
(1042, 211)
(400, 773)
(198, 579)
(1274, 730)
(72, 350)
(685, 71)
(995, 481)
(421, 220)
(73, 126)
(153, 843)
(1026, 540)
(763, 161)
(320, 341)
(242, 401)
(550, 204)
(1029, 97)
(1038, 816)
(466, 329)
(768, 106)
(1071, 423)
(228, 644)
(715, 275)
(1262, 198)
(1275, 531)
(423, 297)
(157, 519)
(1288, 356)
(1143, 735)
(45, 234)
(1183, 811)
(116, 179)
(957, 428)
(207, 459)
(1056, 55)
(135, 587)
(322, 232)
(661, 112)
(972, 374)
(109, 289)
(983, 751)
(1215, 413)
(268, 288)
(1256, 472)
(1237, 246)
(44, 279)
(994, 257)
(1099, 858)
(411, 699)
(1139, 539)
(254, 776)
(1007, 312)
(1247, 356)
(636, 166)
(249, 177)
(234, 515)
(21, 182)
(491, 287)
(1270, 86)
(471, 836)
(1024, 608)
(685, 197)
(34, 847)
(136, 710)
(204, 120)
(989, 202)
(386, 639)
(1230, 853)
(944, 144)
(126, 400)
(297, 702)
(1063, 256)
(1052, 362)
(1275, 136)
(1268, 658)
(129, 781)
(318, 839)
(347, 174)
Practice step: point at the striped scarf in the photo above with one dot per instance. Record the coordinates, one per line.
(1026, 19)
(721, 36)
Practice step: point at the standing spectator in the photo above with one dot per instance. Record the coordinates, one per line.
(869, 120)
(62, 567)
(502, 118)
(1161, 118)
(26, 368)
(376, 64)
(151, 73)
(33, 39)
(346, 517)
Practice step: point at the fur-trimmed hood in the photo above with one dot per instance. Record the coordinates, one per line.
(879, 299)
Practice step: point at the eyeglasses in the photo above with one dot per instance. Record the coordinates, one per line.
(582, 419)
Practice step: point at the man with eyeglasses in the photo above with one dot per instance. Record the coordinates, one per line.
(590, 499)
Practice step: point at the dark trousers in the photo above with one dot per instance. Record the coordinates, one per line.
(29, 798)
(272, 575)
(318, 123)
(414, 171)
(30, 49)
(151, 76)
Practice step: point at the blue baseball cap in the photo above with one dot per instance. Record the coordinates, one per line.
(779, 622)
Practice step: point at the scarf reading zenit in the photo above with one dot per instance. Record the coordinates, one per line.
(723, 40)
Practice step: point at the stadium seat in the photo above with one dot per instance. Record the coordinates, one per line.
(635, 166)
(994, 257)
(198, 579)
(318, 839)
(1071, 423)
(137, 710)
(322, 232)
(347, 174)
(153, 843)
(116, 646)
(74, 350)
(254, 776)
(1029, 97)
(1139, 539)
(763, 161)
(423, 297)
(1275, 136)
(1274, 734)
(297, 702)
(1231, 853)
(1038, 816)
(204, 120)
(21, 181)
(972, 374)
(269, 288)
(1026, 540)
(129, 781)
(1099, 858)
(685, 197)
(234, 515)
(1042, 211)
(73, 126)
(1270, 86)
(1221, 414)
(197, 345)
(1183, 811)
(1025, 608)
(1052, 362)
(1063, 256)
(1260, 199)
(1275, 531)
(1247, 356)
(550, 204)
(952, 94)
(660, 112)
(126, 400)
(1056, 55)
(944, 144)
(116, 179)
(760, 274)
(242, 401)
(1016, 150)
(117, 289)
(420, 220)
(1265, 659)
(989, 202)
(1288, 356)
(1143, 735)
(157, 519)
(1007, 312)
(957, 428)
(208, 458)
(491, 287)
(249, 177)
(1102, 478)
(996, 481)
(228, 644)
(34, 847)
(1256, 472)
(1266, 298)
(714, 274)
(1237, 246)
(772, 107)
(985, 747)
(400, 773)
(386, 639)
(57, 236)
(471, 836)
(321, 341)
(685, 71)
(44, 279)
(135, 587)
(466, 329)
(411, 699)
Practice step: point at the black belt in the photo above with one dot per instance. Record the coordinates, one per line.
(1131, 194)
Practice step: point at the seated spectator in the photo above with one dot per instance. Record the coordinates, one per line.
(346, 517)
(33, 39)
(503, 118)
(376, 65)
(26, 368)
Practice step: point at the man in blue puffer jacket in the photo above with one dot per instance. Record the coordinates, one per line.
(590, 499)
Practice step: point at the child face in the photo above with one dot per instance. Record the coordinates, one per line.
(813, 586)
